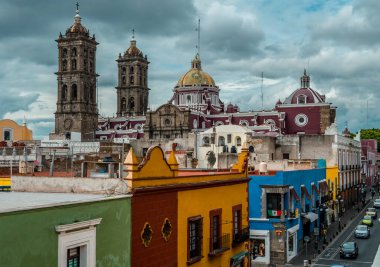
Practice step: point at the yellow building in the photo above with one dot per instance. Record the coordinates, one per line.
(332, 182)
(192, 217)
(11, 131)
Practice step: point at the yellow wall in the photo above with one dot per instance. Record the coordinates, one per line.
(332, 178)
(200, 202)
(20, 133)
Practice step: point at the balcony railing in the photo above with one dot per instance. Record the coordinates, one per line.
(219, 245)
(241, 236)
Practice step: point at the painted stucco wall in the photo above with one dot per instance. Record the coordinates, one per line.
(19, 132)
(28, 238)
(200, 202)
(294, 178)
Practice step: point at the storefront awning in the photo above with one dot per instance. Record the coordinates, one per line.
(314, 187)
(294, 194)
(304, 191)
(311, 216)
(238, 258)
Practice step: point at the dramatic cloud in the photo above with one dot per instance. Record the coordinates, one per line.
(336, 41)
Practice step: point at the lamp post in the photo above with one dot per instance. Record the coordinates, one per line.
(339, 204)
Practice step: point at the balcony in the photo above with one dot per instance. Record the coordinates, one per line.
(219, 245)
(241, 236)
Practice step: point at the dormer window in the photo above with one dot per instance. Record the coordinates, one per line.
(301, 99)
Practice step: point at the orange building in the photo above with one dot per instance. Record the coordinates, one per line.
(192, 217)
(11, 131)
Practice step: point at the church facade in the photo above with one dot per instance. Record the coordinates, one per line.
(196, 106)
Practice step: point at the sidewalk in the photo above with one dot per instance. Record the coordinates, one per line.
(332, 232)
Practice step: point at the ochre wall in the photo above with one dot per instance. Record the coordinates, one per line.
(200, 202)
(19, 132)
(331, 174)
(154, 208)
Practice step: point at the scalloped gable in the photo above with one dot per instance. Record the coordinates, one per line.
(153, 165)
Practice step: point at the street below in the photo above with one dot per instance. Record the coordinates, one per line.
(367, 247)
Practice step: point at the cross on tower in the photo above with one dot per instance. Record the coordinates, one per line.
(133, 33)
(77, 4)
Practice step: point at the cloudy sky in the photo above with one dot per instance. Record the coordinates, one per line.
(338, 42)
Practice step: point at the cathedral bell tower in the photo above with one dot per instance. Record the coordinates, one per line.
(132, 89)
(77, 109)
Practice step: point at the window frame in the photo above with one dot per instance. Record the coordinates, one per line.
(198, 221)
(79, 234)
(215, 245)
(237, 231)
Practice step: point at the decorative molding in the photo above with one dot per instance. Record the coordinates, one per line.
(77, 226)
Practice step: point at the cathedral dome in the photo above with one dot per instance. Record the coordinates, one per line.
(77, 27)
(196, 76)
(133, 51)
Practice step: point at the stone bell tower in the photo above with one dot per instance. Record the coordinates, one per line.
(77, 109)
(132, 89)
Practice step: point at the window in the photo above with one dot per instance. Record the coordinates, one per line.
(123, 104)
(73, 64)
(167, 122)
(131, 70)
(131, 80)
(124, 81)
(7, 134)
(258, 247)
(77, 243)
(285, 156)
(215, 229)
(73, 52)
(206, 141)
(221, 141)
(229, 138)
(301, 99)
(195, 238)
(64, 65)
(73, 257)
(237, 221)
(74, 92)
(238, 141)
(64, 52)
(64, 92)
(123, 70)
(274, 205)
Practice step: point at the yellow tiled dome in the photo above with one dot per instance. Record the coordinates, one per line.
(196, 76)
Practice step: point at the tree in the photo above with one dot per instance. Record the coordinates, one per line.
(371, 134)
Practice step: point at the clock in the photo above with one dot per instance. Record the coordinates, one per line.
(67, 124)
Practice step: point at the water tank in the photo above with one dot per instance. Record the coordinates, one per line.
(263, 168)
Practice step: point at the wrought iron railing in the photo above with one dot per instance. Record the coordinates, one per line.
(219, 244)
(241, 236)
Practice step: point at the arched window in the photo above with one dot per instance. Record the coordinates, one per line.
(92, 94)
(64, 65)
(131, 103)
(74, 52)
(238, 141)
(124, 80)
(221, 141)
(73, 64)
(64, 52)
(64, 92)
(167, 122)
(206, 141)
(131, 70)
(131, 80)
(123, 71)
(74, 92)
(301, 99)
(123, 104)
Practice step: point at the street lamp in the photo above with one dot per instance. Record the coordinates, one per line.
(340, 200)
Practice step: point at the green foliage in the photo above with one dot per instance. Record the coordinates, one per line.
(371, 134)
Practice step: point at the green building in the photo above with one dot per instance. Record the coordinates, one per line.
(64, 229)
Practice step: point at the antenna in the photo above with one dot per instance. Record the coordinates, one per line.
(367, 115)
(198, 29)
(262, 94)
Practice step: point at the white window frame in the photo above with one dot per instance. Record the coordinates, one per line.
(80, 234)
(11, 133)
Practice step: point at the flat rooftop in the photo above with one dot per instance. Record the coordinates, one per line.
(18, 201)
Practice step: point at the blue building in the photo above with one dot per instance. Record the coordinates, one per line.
(285, 209)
